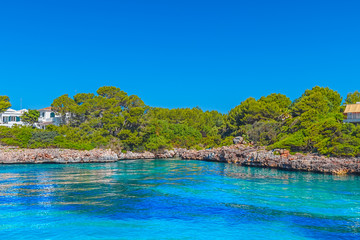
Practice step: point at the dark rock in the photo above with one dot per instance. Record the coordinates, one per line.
(238, 140)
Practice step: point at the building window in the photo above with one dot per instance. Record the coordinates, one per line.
(18, 119)
(52, 115)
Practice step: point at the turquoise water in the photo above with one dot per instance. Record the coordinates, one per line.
(175, 199)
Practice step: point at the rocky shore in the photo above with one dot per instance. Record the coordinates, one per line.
(242, 154)
(19, 156)
(247, 155)
(150, 155)
(281, 159)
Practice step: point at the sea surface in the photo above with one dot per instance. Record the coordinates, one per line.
(175, 199)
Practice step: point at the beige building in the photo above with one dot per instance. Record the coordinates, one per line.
(352, 113)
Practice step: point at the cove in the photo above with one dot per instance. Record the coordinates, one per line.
(175, 199)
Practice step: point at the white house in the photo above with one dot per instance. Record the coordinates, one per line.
(11, 117)
(48, 117)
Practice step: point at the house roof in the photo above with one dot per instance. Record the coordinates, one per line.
(12, 111)
(352, 108)
(49, 109)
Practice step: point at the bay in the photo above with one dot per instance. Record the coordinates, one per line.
(175, 199)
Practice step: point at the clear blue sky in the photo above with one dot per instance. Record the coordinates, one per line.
(212, 54)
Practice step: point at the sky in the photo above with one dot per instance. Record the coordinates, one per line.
(177, 53)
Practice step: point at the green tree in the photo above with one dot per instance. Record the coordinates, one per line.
(250, 111)
(64, 105)
(316, 123)
(110, 113)
(31, 117)
(4, 103)
(352, 98)
(242, 114)
(320, 101)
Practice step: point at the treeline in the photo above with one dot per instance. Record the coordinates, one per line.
(112, 118)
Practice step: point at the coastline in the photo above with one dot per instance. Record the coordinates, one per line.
(62, 156)
(241, 154)
(259, 157)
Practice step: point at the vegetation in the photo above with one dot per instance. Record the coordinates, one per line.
(4, 103)
(112, 118)
(31, 117)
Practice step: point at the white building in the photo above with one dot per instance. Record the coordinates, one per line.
(12, 117)
(48, 117)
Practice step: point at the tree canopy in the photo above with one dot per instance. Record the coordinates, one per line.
(4, 103)
(352, 98)
(31, 117)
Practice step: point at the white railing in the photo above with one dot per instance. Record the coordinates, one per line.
(42, 119)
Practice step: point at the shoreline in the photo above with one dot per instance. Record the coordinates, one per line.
(241, 154)
(60, 156)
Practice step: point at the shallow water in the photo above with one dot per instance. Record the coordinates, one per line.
(175, 199)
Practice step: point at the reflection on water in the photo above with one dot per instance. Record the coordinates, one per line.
(175, 199)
